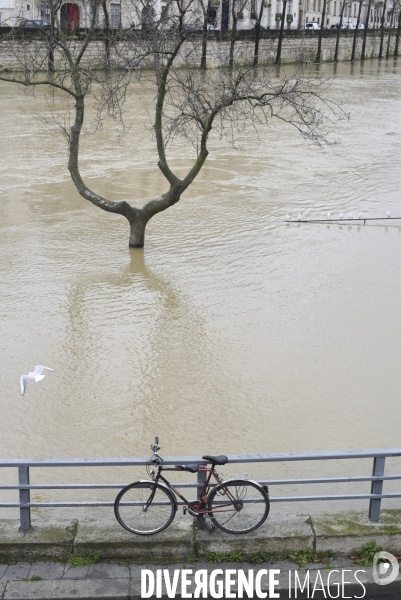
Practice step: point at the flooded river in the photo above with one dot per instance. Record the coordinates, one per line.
(232, 331)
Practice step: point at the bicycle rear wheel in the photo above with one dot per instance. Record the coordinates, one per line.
(248, 510)
(131, 502)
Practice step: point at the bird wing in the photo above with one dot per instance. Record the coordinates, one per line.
(38, 370)
(39, 378)
(23, 383)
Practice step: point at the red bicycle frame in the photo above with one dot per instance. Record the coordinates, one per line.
(199, 508)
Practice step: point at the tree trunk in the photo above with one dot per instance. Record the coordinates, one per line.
(319, 43)
(280, 39)
(382, 29)
(356, 31)
(233, 35)
(338, 32)
(137, 233)
(257, 35)
(366, 31)
(397, 39)
(389, 34)
(204, 42)
(50, 60)
(107, 34)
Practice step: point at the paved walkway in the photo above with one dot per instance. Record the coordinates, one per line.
(122, 581)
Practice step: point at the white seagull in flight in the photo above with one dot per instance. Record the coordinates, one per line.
(36, 375)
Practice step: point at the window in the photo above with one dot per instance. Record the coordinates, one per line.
(45, 11)
(97, 8)
(335, 8)
(115, 16)
(314, 5)
(165, 11)
(28, 7)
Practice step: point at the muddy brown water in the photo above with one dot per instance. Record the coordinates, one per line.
(231, 332)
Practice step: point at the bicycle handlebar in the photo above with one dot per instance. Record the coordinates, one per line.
(156, 459)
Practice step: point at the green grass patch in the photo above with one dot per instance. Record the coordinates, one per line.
(84, 561)
(192, 558)
(219, 557)
(364, 556)
(301, 557)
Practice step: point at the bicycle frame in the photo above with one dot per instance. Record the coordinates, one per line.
(201, 507)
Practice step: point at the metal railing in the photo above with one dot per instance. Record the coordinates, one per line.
(375, 497)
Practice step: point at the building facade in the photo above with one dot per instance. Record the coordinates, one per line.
(123, 14)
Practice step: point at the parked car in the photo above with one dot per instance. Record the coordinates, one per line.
(33, 23)
(353, 26)
(312, 25)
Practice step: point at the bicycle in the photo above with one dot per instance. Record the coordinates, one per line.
(234, 506)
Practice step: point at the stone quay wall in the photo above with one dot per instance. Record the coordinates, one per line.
(14, 54)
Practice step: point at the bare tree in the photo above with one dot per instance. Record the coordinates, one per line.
(206, 8)
(319, 43)
(356, 30)
(237, 10)
(397, 37)
(107, 32)
(339, 31)
(366, 30)
(389, 33)
(198, 109)
(258, 25)
(55, 6)
(382, 29)
(280, 37)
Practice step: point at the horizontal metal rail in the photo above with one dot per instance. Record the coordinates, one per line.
(94, 486)
(280, 499)
(376, 479)
(339, 220)
(186, 460)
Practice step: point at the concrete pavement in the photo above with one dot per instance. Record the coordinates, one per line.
(36, 565)
(122, 580)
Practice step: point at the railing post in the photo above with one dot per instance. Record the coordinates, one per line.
(376, 488)
(201, 520)
(24, 498)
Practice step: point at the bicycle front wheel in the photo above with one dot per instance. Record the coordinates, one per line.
(247, 510)
(135, 515)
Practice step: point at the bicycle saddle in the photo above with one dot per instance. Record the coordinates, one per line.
(216, 460)
(190, 468)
